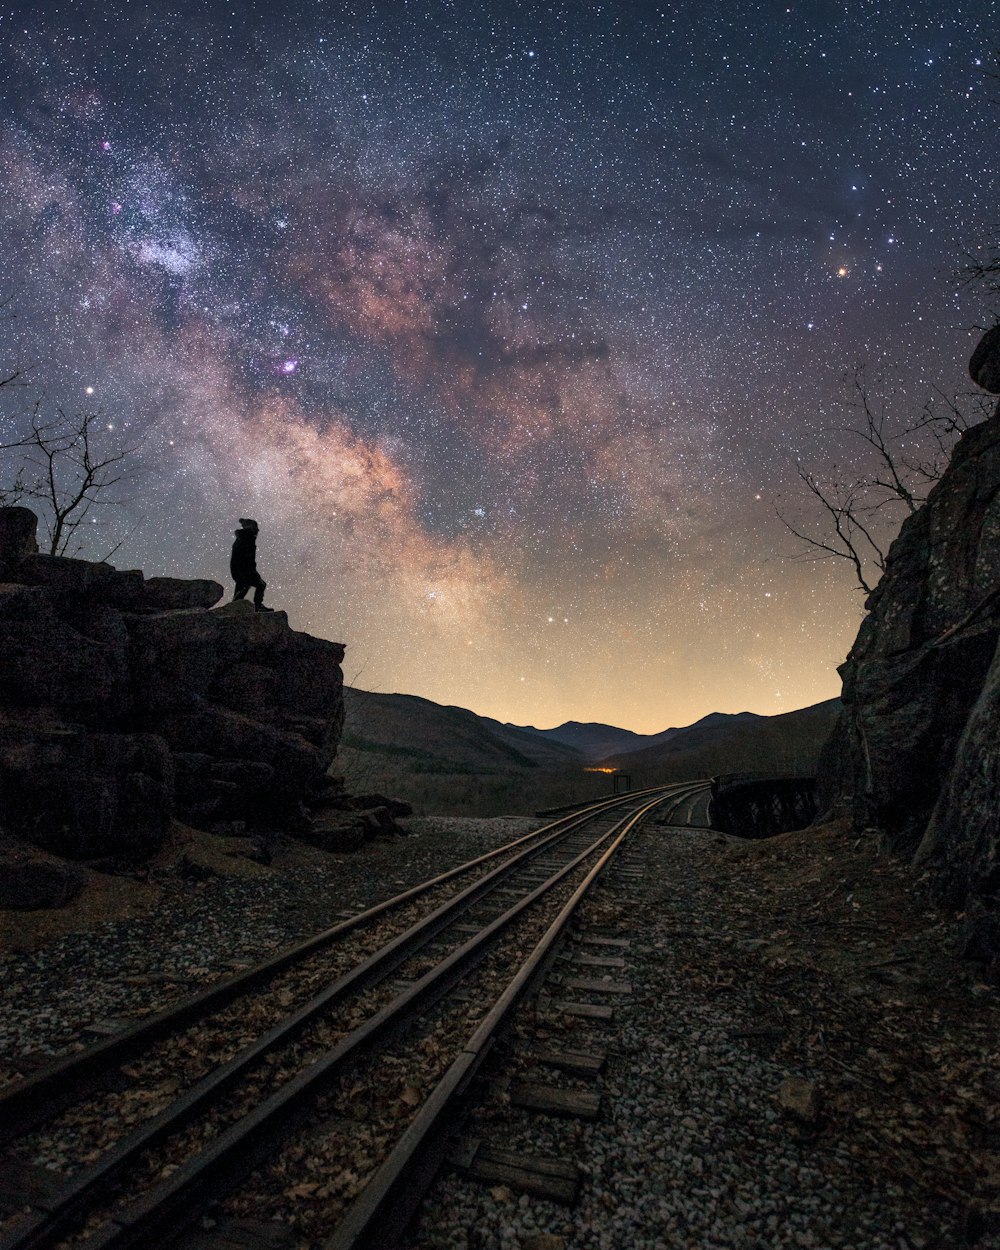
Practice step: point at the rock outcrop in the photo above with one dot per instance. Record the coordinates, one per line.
(915, 753)
(126, 702)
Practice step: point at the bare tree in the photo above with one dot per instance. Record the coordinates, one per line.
(854, 516)
(983, 266)
(63, 468)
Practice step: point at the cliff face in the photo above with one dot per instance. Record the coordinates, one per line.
(915, 753)
(126, 701)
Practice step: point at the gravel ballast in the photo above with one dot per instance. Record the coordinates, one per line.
(189, 932)
(803, 1063)
(804, 1060)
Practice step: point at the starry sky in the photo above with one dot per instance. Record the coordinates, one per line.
(507, 322)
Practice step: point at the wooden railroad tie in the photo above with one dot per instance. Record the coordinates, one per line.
(587, 1011)
(239, 1235)
(598, 961)
(578, 1062)
(108, 1028)
(23, 1184)
(601, 939)
(597, 986)
(533, 1096)
(531, 1174)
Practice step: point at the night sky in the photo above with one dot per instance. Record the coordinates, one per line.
(506, 322)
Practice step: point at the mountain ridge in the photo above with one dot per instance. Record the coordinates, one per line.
(450, 761)
(596, 740)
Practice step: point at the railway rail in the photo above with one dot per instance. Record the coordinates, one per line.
(280, 1043)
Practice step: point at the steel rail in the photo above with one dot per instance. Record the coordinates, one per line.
(163, 1210)
(89, 1185)
(31, 1101)
(381, 1212)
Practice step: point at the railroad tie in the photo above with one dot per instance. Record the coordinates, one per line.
(534, 1096)
(28, 1184)
(596, 986)
(240, 1235)
(537, 1175)
(110, 1027)
(586, 1011)
(601, 939)
(576, 1062)
(597, 961)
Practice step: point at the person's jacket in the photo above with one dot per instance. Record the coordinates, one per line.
(243, 561)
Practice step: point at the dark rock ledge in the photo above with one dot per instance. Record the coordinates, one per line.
(915, 756)
(127, 703)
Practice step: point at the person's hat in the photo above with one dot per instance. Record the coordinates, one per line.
(248, 523)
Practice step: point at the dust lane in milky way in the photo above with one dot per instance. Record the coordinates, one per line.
(508, 325)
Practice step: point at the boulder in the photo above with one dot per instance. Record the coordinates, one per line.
(85, 795)
(347, 832)
(182, 653)
(309, 680)
(961, 845)
(223, 790)
(18, 530)
(61, 573)
(110, 680)
(296, 766)
(340, 802)
(984, 367)
(800, 1098)
(170, 594)
(45, 661)
(29, 882)
(245, 687)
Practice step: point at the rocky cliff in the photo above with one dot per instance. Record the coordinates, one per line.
(916, 752)
(127, 701)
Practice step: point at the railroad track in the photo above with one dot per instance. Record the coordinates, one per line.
(307, 1049)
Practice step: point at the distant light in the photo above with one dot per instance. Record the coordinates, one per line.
(289, 366)
(89, 390)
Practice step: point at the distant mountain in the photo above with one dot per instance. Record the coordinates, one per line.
(596, 742)
(449, 761)
(726, 744)
(432, 738)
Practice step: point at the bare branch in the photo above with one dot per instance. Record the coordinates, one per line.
(64, 471)
(855, 517)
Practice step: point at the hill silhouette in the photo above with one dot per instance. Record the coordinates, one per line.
(449, 760)
(597, 742)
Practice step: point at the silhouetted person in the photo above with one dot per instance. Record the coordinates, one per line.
(243, 564)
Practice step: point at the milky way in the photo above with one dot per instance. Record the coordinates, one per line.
(507, 325)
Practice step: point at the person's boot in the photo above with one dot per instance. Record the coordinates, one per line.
(262, 607)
